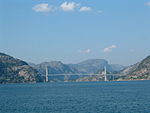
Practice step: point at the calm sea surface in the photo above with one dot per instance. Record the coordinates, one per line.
(84, 97)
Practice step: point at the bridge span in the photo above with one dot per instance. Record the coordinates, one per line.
(106, 76)
(80, 74)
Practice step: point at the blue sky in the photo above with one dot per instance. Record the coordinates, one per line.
(74, 30)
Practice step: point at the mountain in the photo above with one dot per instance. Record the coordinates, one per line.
(143, 70)
(140, 70)
(116, 67)
(13, 70)
(129, 69)
(96, 66)
(90, 66)
(54, 67)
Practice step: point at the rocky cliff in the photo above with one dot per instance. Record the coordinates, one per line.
(140, 70)
(13, 70)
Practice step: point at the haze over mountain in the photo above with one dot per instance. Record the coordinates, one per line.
(91, 66)
(54, 67)
(96, 66)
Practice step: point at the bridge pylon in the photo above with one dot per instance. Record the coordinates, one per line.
(46, 74)
(105, 73)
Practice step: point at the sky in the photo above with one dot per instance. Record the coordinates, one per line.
(75, 30)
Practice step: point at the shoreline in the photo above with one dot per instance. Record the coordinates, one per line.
(77, 81)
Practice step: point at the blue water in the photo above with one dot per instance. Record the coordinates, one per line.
(84, 97)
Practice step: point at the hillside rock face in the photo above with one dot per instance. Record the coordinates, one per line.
(13, 70)
(140, 70)
(143, 69)
(129, 69)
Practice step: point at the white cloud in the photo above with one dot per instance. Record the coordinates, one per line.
(69, 6)
(44, 7)
(82, 9)
(65, 6)
(109, 49)
(87, 51)
(148, 3)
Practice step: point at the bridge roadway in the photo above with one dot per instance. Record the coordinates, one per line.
(80, 74)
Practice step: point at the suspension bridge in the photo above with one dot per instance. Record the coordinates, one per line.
(66, 75)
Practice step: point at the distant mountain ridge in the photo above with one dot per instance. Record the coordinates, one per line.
(54, 67)
(90, 66)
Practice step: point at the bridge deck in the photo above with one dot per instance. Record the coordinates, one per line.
(79, 74)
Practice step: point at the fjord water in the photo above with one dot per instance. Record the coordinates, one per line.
(82, 97)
